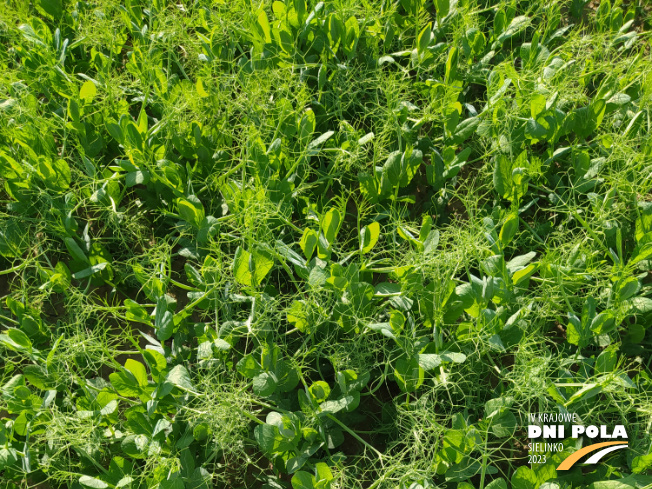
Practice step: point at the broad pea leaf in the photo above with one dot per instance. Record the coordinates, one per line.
(503, 176)
(509, 229)
(125, 383)
(88, 481)
(443, 8)
(392, 168)
(525, 478)
(179, 377)
(135, 446)
(138, 371)
(408, 374)
(249, 367)
(308, 242)
(52, 8)
(250, 269)
(87, 92)
(55, 174)
(369, 237)
(330, 225)
(191, 210)
(264, 384)
(303, 480)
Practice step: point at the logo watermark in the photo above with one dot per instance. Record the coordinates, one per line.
(546, 432)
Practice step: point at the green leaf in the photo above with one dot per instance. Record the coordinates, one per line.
(616, 484)
(366, 138)
(407, 235)
(323, 472)
(464, 131)
(55, 174)
(396, 321)
(303, 480)
(331, 224)
(537, 105)
(504, 424)
(522, 275)
(125, 384)
(315, 143)
(369, 237)
(643, 223)
(466, 469)
(306, 127)
(264, 384)
(73, 110)
(267, 437)
(503, 176)
(19, 338)
(157, 363)
(191, 210)
(535, 130)
(525, 478)
(384, 328)
(619, 99)
(641, 463)
(429, 361)
(137, 178)
(431, 241)
(352, 35)
(392, 168)
(308, 242)
(8, 457)
(640, 253)
(641, 305)
(263, 25)
(134, 138)
(455, 357)
(175, 483)
(322, 76)
(497, 484)
(13, 240)
(606, 362)
(201, 91)
(509, 229)
(135, 445)
(452, 116)
(115, 130)
(52, 8)
(163, 320)
(250, 269)
(87, 272)
(586, 392)
(494, 407)
(201, 479)
(319, 391)
(603, 323)
(408, 374)
(423, 39)
(180, 378)
(248, 366)
(516, 26)
(138, 370)
(443, 8)
(299, 315)
(208, 228)
(451, 66)
(88, 481)
(87, 92)
(410, 162)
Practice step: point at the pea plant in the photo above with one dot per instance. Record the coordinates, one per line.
(300, 244)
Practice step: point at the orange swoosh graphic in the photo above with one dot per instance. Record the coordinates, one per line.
(570, 460)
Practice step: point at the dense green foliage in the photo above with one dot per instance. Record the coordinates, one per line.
(303, 245)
